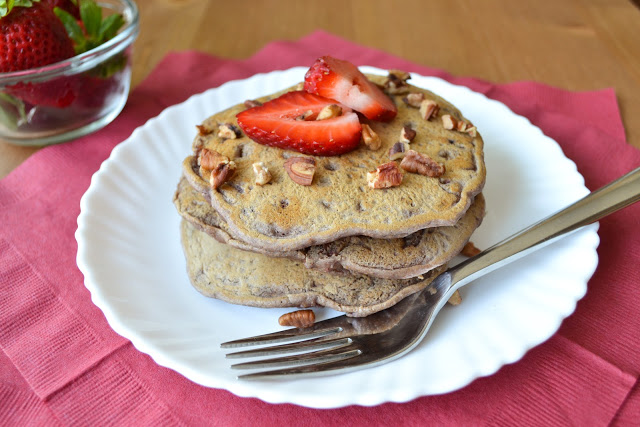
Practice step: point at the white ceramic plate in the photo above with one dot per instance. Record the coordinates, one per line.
(130, 255)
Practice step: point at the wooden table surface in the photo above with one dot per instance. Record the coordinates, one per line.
(572, 44)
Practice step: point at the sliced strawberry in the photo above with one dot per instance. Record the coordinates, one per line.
(274, 124)
(341, 80)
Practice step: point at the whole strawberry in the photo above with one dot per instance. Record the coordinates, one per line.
(31, 37)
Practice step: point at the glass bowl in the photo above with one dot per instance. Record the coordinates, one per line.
(74, 97)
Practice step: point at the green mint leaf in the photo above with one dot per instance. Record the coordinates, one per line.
(91, 15)
(71, 25)
(110, 27)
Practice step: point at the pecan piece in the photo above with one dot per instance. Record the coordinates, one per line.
(466, 127)
(300, 169)
(385, 176)
(420, 163)
(263, 176)
(208, 159)
(219, 167)
(398, 150)
(470, 250)
(396, 83)
(229, 131)
(414, 99)
(429, 109)
(250, 103)
(305, 115)
(370, 138)
(455, 298)
(407, 134)
(204, 130)
(329, 112)
(399, 75)
(298, 319)
(471, 130)
(449, 122)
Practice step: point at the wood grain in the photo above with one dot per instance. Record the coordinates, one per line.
(573, 44)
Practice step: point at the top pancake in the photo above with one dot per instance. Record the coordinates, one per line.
(289, 216)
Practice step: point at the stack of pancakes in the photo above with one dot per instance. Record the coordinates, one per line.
(338, 242)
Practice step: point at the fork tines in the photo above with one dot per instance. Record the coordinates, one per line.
(293, 334)
(314, 347)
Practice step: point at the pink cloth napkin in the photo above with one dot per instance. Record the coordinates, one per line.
(62, 364)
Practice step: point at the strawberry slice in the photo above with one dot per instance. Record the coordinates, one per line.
(278, 123)
(341, 80)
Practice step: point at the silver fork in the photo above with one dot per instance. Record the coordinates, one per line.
(343, 344)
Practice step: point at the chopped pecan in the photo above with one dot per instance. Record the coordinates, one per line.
(455, 298)
(298, 319)
(420, 163)
(300, 169)
(400, 75)
(414, 99)
(470, 250)
(398, 150)
(305, 115)
(370, 138)
(218, 167)
(229, 131)
(329, 112)
(204, 130)
(222, 174)
(428, 109)
(407, 134)
(449, 122)
(208, 159)
(471, 130)
(250, 103)
(466, 127)
(385, 176)
(263, 176)
(396, 83)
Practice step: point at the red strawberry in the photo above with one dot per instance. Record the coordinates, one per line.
(32, 37)
(341, 80)
(274, 123)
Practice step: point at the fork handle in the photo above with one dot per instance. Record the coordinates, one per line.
(608, 199)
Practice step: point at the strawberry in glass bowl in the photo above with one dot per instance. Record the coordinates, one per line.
(65, 67)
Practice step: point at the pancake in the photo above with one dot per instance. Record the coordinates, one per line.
(220, 271)
(399, 258)
(285, 216)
